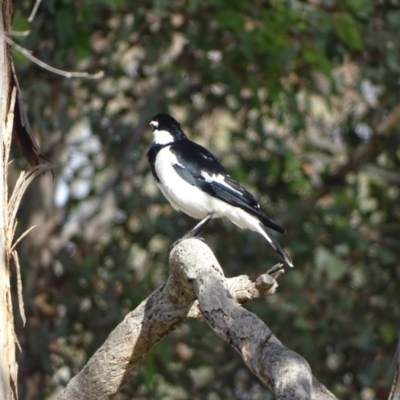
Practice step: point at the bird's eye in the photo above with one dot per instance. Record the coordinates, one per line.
(154, 124)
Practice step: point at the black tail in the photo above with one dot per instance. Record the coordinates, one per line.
(277, 247)
(281, 252)
(270, 224)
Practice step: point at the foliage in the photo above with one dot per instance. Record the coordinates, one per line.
(285, 93)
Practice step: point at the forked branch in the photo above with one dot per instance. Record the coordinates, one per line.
(197, 283)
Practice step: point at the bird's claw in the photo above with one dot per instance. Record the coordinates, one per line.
(195, 232)
(187, 236)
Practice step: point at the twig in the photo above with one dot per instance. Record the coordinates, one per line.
(48, 67)
(242, 289)
(22, 183)
(21, 237)
(19, 289)
(34, 10)
(20, 33)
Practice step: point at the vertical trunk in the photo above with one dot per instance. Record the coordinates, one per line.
(8, 366)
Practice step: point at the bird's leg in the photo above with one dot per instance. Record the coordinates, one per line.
(195, 232)
(200, 226)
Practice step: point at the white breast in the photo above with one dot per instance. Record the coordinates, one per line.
(182, 195)
(191, 200)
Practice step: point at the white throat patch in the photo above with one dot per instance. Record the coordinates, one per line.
(162, 137)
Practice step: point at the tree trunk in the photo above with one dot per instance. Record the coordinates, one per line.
(8, 365)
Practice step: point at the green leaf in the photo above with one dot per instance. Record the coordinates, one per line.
(149, 371)
(20, 23)
(316, 58)
(388, 332)
(292, 165)
(65, 27)
(361, 8)
(347, 30)
(230, 19)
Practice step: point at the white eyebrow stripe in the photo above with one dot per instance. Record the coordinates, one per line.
(154, 124)
(218, 178)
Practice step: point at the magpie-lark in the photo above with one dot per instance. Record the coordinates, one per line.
(194, 181)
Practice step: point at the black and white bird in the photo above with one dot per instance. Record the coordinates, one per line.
(194, 182)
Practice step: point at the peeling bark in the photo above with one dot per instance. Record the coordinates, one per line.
(8, 365)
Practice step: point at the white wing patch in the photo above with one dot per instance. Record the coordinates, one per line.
(161, 136)
(218, 178)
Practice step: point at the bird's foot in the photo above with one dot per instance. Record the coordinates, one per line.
(195, 232)
(187, 236)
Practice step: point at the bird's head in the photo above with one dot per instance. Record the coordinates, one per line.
(166, 129)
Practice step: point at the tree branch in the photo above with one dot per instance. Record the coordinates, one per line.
(195, 272)
(285, 372)
(40, 63)
(242, 289)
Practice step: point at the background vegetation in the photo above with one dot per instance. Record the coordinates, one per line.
(291, 96)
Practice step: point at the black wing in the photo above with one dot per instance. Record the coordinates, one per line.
(201, 168)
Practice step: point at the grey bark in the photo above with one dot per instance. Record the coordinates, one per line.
(196, 274)
(285, 372)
